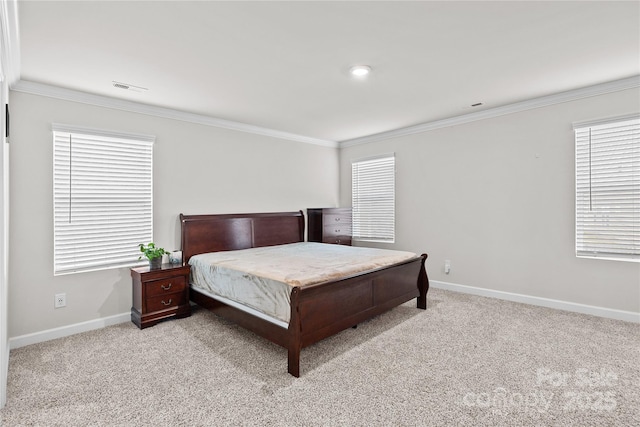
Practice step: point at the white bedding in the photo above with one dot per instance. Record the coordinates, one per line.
(262, 278)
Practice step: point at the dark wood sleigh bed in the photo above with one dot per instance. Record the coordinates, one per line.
(317, 311)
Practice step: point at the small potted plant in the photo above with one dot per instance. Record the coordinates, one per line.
(153, 254)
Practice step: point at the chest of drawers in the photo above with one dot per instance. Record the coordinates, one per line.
(329, 225)
(159, 294)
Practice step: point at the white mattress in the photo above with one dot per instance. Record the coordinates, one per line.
(262, 278)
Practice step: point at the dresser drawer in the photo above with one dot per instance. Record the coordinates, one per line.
(332, 219)
(337, 240)
(337, 229)
(165, 286)
(163, 302)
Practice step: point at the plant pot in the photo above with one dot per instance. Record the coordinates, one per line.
(155, 263)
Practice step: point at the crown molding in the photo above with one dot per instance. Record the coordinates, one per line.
(150, 110)
(544, 101)
(9, 42)
(136, 107)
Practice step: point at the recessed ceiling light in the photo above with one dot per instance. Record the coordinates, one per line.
(360, 70)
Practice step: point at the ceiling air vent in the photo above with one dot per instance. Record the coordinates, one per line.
(127, 86)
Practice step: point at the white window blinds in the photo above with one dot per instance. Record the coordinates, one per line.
(373, 199)
(102, 187)
(608, 189)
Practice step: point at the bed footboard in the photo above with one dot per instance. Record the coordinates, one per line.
(322, 310)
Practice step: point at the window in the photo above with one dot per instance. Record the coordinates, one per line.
(373, 199)
(102, 191)
(608, 189)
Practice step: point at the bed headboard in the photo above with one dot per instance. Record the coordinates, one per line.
(214, 233)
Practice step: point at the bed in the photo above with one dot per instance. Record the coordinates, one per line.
(316, 309)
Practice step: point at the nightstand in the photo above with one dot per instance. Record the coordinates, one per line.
(160, 294)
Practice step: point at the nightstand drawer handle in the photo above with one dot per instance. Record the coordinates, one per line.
(166, 303)
(166, 288)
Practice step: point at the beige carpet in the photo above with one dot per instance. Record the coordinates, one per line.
(466, 361)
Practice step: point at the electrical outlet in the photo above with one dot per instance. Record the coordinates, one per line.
(60, 300)
(447, 266)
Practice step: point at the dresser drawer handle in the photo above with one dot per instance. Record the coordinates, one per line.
(167, 303)
(337, 219)
(337, 230)
(166, 288)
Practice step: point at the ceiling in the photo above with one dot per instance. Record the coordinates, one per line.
(284, 65)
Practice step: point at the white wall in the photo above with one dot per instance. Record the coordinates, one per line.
(496, 197)
(197, 169)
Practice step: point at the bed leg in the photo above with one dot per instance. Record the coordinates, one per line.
(423, 285)
(294, 362)
(295, 330)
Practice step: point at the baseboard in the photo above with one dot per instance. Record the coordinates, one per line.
(628, 316)
(65, 331)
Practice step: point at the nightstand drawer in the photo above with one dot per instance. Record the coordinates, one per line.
(164, 302)
(165, 286)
